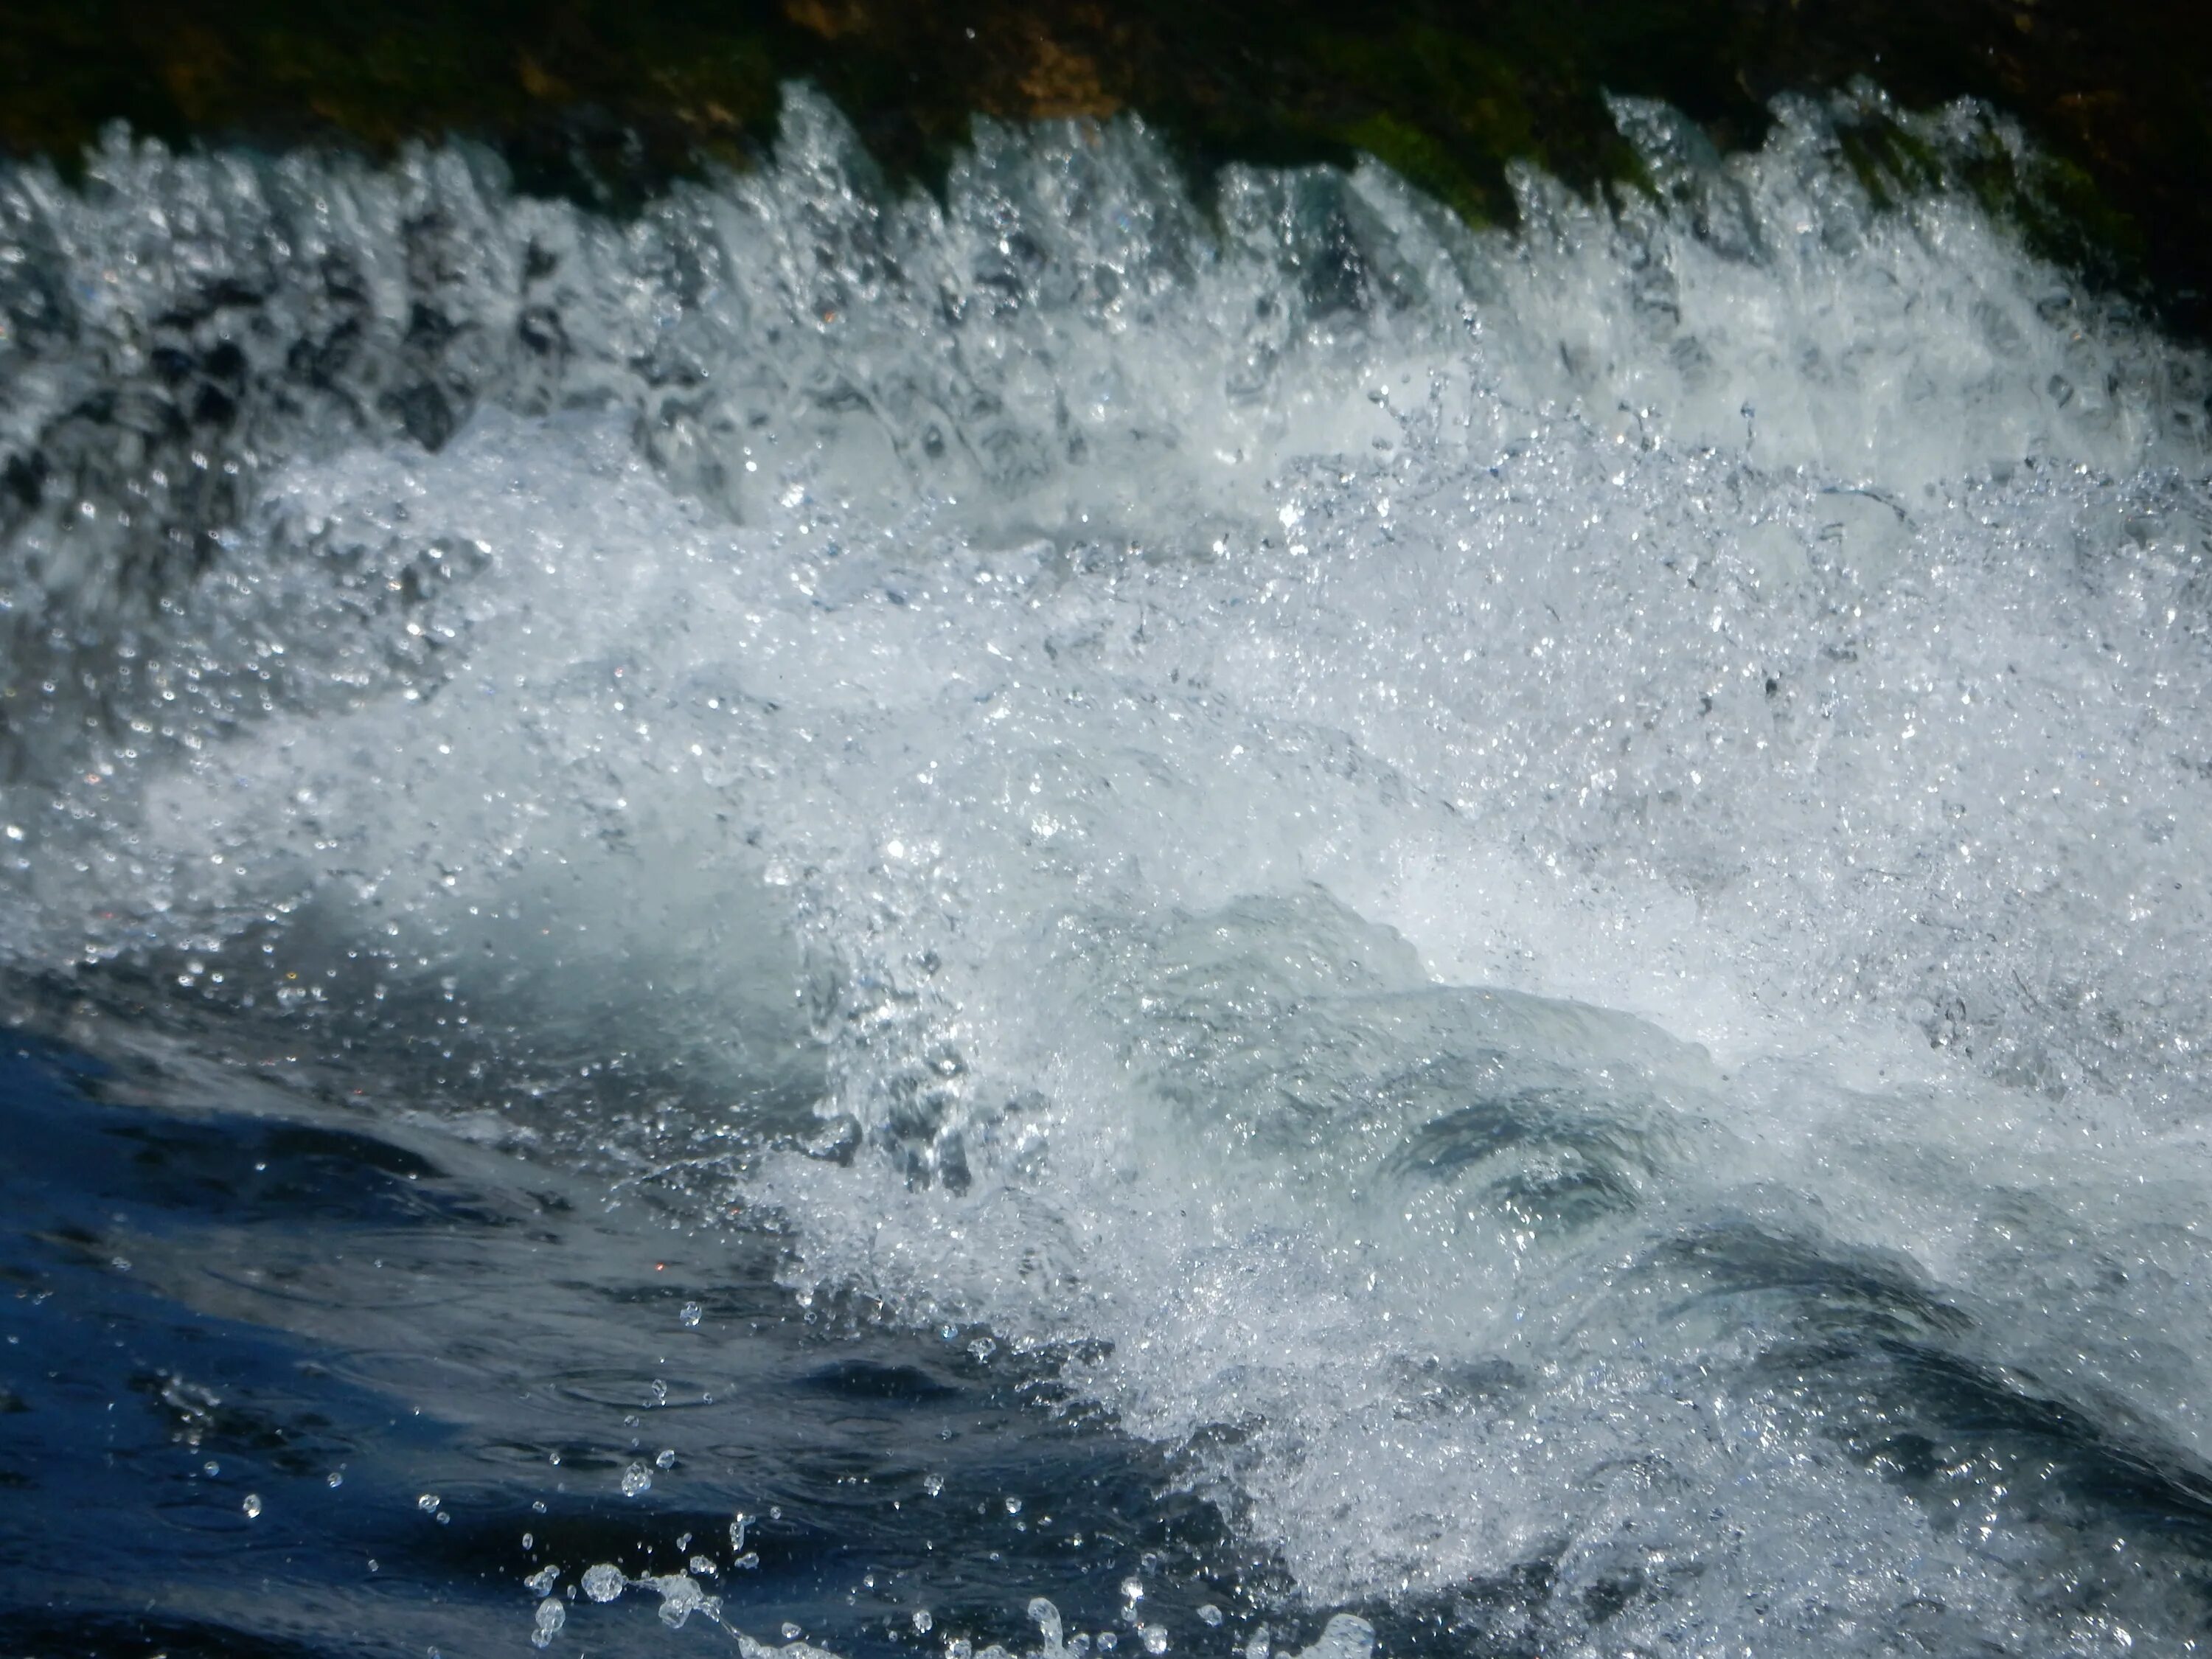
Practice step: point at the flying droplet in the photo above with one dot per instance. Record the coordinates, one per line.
(551, 1615)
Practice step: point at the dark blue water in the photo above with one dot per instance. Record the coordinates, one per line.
(244, 1352)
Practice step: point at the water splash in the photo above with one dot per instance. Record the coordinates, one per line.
(1541, 893)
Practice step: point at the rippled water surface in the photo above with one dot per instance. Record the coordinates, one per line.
(1297, 929)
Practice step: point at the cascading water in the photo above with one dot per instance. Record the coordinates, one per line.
(1536, 901)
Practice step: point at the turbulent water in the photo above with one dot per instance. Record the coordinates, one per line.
(1502, 934)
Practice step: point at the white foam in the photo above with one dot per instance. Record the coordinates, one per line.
(1315, 788)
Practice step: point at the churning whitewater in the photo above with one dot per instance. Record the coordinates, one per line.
(1542, 895)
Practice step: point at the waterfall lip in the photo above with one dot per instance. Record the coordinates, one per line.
(612, 113)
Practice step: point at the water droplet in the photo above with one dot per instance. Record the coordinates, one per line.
(1013, 1506)
(335, 1478)
(666, 1460)
(791, 1632)
(690, 1315)
(1133, 1589)
(932, 1484)
(1156, 1638)
(427, 1503)
(1210, 1616)
(252, 1505)
(1046, 1617)
(551, 1615)
(637, 1478)
(604, 1581)
(541, 1582)
(922, 1621)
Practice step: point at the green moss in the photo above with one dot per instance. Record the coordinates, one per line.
(1419, 158)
